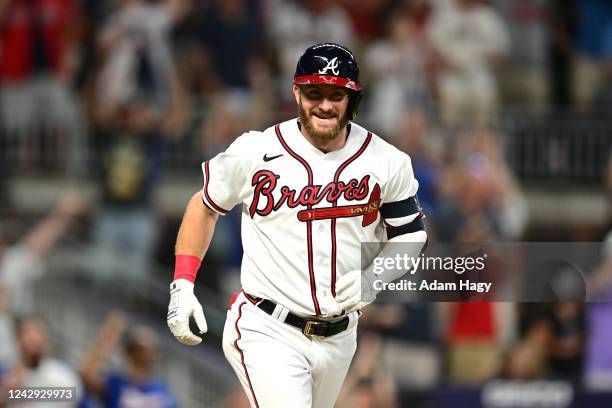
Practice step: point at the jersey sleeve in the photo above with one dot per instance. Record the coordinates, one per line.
(225, 176)
(400, 208)
(401, 183)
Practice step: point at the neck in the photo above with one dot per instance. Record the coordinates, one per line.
(326, 145)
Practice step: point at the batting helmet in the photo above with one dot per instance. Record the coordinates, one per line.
(330, 64)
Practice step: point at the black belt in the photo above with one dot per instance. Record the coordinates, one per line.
(310, 327)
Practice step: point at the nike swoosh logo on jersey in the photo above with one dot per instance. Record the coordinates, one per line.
(267, 159)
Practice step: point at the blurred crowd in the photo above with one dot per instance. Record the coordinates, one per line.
(110, 87)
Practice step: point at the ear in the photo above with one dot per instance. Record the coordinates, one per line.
(296, 93)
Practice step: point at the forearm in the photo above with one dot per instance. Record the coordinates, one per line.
(193, 239)
(357, 288)
(408, 245)
(46, 234)
(196, 229)
(89, 372)
(107, 341)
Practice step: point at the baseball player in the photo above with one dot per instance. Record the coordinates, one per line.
(311, 189)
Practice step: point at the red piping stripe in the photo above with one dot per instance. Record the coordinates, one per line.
(333, 256)
(251, 298)
(313, 283)
(216, 207)
(335, 203)
(242, 354)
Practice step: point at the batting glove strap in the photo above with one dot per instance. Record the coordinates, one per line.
(181, 284)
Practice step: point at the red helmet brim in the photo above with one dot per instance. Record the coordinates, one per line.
(327, 80)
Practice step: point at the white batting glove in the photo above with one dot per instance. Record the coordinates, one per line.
(183, 305)
(349, 295)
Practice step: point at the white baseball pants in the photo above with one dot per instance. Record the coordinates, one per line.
(278, 366)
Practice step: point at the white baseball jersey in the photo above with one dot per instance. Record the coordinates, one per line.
(305, 212)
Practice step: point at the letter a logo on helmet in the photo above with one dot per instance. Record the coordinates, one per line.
(331, 65)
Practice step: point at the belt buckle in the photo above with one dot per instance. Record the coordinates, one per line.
(308, 329)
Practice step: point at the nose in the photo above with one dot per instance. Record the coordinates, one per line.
(326, 105)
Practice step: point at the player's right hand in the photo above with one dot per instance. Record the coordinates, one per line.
(353, 291)
(183, 305)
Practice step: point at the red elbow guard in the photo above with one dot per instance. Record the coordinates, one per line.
(186, 267)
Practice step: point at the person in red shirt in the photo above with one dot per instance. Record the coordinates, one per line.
(38, 44)
(36, 35)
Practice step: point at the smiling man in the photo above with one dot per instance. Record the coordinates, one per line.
(323, 114)
(312, 190)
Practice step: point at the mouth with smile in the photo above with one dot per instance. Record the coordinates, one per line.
(325, 119)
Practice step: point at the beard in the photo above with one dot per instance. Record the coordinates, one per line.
(321, 135)
(32, 361)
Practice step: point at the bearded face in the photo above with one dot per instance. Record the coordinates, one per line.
(33, 342)
(323, 111)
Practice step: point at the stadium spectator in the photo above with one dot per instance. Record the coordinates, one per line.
(469, 38)
(472, 341)
(137, 85)
(368, 383)
(562, 23)
(297, 24)
(524, 361)
(398, 72)
(524, 79)
(231, 22)
(594, 16)
(565, 346)
(208, 67)
(369, 17)
(134, 387)
(408, 351)
(22, 264)
(39, 43)
(418, 135)
(479, 202)
(139, 104)
(479, 196)
(35, 368)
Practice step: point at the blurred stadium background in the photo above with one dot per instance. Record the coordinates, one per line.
(108, 107)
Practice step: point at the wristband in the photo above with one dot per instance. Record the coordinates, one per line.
(186, 267)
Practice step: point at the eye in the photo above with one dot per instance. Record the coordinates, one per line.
(314, 95)
(337, 96)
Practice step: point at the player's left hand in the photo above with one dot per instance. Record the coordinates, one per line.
(349, 295)
(183, 305)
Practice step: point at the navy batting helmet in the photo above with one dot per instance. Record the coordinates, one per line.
(330, 64)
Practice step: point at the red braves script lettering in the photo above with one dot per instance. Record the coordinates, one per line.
(265, 182)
